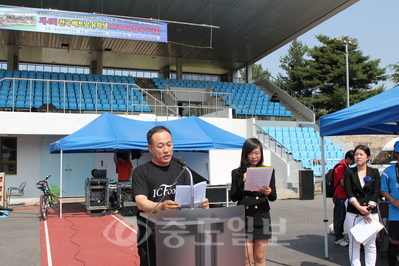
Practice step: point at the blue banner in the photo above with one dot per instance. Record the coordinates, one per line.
(62, 22)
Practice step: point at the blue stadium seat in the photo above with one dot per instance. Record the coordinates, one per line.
(89, 106)
(317, 170)
(73, 105)
(138, 108)
(20, 104)
(306, 164)
(308, 141)
(329, 148)
(296, 155)
(294, 147)
(287, 141)
(106, 107)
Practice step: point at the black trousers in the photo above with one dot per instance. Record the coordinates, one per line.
(147, 254)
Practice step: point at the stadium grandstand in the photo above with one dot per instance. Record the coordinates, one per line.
(64, 63)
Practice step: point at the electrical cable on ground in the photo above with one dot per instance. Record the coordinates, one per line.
(70, 239)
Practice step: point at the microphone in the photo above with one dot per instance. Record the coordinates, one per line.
(184, 164)
(181, 161)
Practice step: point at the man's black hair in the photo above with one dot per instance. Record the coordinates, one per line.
(154, 130)
(350, 155)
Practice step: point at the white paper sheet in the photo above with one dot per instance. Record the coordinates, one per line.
(257, 177)
(183, 194)
(362, 231)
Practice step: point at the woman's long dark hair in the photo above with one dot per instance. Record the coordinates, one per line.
(248, 146)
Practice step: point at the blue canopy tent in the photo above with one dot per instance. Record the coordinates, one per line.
(109, 132)
(376, 115)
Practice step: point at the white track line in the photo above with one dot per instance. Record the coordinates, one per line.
(125, 224)
(48, 249)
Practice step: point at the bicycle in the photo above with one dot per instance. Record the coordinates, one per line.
(49, 203)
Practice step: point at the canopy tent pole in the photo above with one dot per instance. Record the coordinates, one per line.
(60, 184)
(325, 219)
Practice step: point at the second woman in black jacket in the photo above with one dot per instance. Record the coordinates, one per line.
(362, 187)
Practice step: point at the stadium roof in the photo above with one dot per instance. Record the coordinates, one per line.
(248, 31)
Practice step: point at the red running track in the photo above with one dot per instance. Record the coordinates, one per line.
(87, 239)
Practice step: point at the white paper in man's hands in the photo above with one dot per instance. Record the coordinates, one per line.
(257, 177)
(363, 231)
(183, 194)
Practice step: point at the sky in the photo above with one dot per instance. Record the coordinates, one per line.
(374, 23)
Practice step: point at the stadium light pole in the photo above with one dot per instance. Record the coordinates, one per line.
(352, 41)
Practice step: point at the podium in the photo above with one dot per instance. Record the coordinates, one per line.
(200, 237)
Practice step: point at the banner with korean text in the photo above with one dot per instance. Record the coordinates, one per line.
(84, 24)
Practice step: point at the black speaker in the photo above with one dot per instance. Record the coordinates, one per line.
(306, 185)
(129, 208)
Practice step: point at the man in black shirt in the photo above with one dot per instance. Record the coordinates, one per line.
(154, 186)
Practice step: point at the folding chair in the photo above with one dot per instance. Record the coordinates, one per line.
(15, 191)
(383, 211)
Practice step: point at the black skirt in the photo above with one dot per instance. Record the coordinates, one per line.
(258, 232)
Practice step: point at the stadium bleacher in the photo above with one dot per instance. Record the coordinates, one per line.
(73, 91)
(244, 98)
(70, 91)
(303, 143)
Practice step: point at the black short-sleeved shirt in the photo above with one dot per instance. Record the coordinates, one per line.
(157, 184)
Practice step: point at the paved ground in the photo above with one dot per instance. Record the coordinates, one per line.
(299, 233)
(20, 238)
(298, 229)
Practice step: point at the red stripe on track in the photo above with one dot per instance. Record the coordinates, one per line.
(89, 239)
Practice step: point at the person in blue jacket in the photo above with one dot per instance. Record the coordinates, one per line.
(390, 190)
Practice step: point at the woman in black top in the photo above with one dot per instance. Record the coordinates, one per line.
(257, 216)
(362, 187)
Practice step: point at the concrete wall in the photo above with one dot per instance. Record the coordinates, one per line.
(296, 105)
(192, 95)
(374, 142)
(28, 166)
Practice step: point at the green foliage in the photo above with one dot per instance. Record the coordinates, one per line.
(55, 189)
(321, 77)
(395, 76)
(194, 111)
(258, 73)
(295, 66)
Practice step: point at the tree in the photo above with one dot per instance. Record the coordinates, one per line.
(395, 76)
(294, 65)
(322, 77)
(258, 73)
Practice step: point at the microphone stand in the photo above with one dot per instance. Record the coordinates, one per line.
(192, 188)
(184, 164)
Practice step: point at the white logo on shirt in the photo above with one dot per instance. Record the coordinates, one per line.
(164, 190)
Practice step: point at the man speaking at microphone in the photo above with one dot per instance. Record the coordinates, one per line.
(154, 186)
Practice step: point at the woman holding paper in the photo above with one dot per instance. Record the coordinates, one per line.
(257, 216)
(362, 186)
